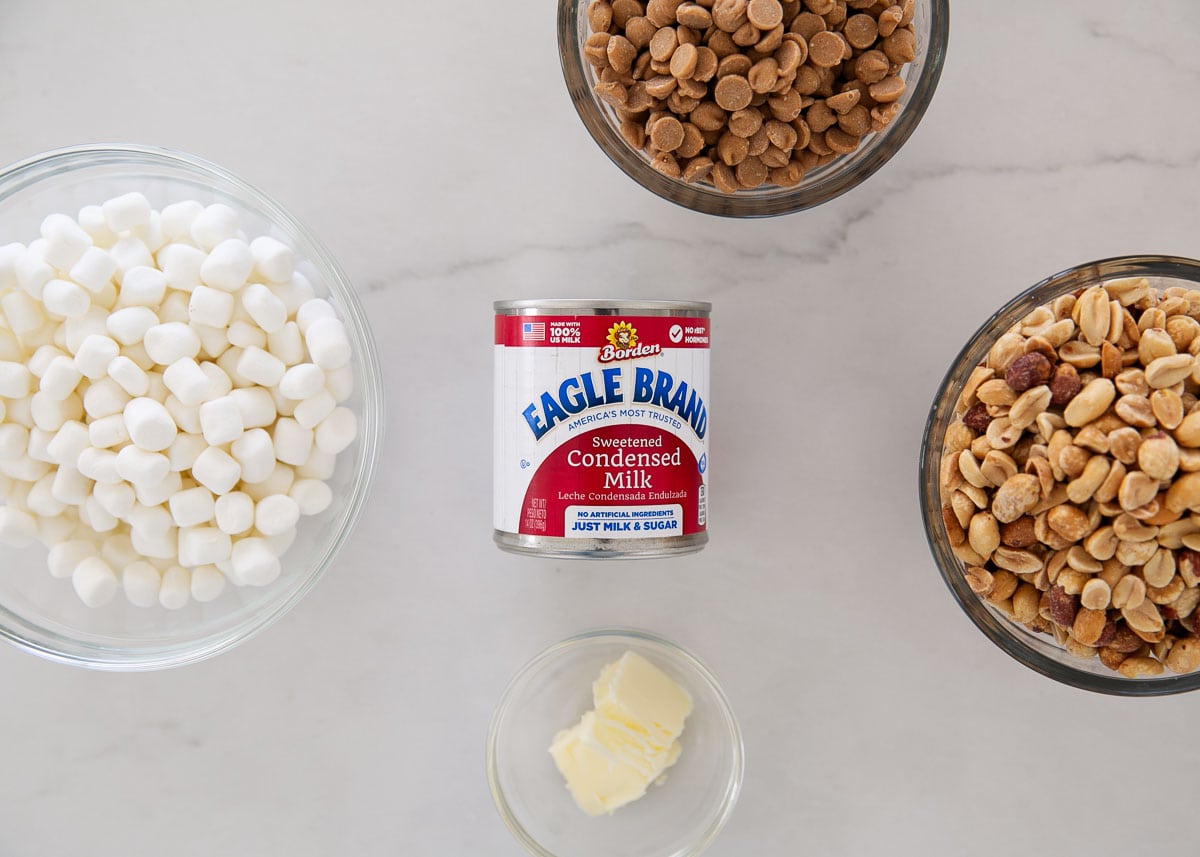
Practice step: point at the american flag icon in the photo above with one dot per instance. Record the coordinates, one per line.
(533, 331)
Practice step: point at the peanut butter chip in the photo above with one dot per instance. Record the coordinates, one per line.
(764, 14)
(839, 141)
(807, 25)
(683, 61)
(663, 44)
(820, 7)
(733, 92)
(751, 173)
(843, 102)
(694, 15)
(764, 75)
(667, 134)
(732, 149)
(745, 122)
(888, 89)
(861, 31)
(729, 15)
(825, 49)
(623, 10)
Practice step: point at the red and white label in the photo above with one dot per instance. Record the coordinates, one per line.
(601, 426)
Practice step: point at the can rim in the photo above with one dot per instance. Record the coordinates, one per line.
(601, 307)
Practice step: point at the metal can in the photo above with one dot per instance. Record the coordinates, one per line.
(601, 427)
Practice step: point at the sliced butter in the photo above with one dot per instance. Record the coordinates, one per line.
(618, 749)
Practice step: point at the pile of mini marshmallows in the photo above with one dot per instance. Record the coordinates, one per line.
(169, 400)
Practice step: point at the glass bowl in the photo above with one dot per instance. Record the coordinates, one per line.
(1038, 652)
(678, 818)
(43, 614)
(932, 26)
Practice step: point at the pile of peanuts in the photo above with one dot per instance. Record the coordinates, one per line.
(1070, 475)
(743, 93)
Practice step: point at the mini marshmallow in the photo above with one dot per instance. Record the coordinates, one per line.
(218, 382)
(187, 382)
(337, 432)
(71, 487)
(261, 367)
(65, 299)
(94, 270)
(104, 398)
(177, 218)
(151, 232)
(254, 564)
(214, 341)
(39, 445)
(221, 421)
(50, 414)
(293, 442)
(192, 507)
(107, 432)
(41, 359)
(216, 223)
(141, 583)
(180, 264)
(94, 515)
(137, 353)
(66, 241)
(276, 514)
(211, 307)
(279, 482)
(155, 494)
(143, 286)
(141, 467)
(94, 581)
(234, 513)
(94, 355)
(176, 588)
(184, 451)
(287, 344)
(268, 311)
(174, 308)
(295, 293)
(207, 583)
(328, 344)
(9, 254)
(255, 452)
(203, 546)
(273, 259)
(172, 341)
(51, 531)
(314, 410)
(313, 311)
(228, 265)
(33, 271)
(18, 529)
(129, 326)
(99, 465)
(256, 406)
(129, 376)
(10, 348)
(14, 441)
(75, 330)
(91, 220)
(246, 335)
(18, 413)
(23, 313)
(118, 500)
(61, 378)
(216, 470)
(117, 550)
(24, 469)
(302, 382)
(70, 440)
(156, 545)
(126, 211)
(41, 500)
(150, 520)
(16, 381)
(65, 556)
(186, 418)
(129, 253)
(312, 496)
(150, 425)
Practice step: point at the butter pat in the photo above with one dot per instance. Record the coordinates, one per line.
(625, 743)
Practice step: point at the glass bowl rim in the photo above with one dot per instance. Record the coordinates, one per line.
(1000, 630)
(22, 174)
(863, 164)
(615, 634)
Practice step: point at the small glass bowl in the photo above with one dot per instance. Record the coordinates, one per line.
(679, 818)
(932, 25)
(1038, 652)
(43, 614)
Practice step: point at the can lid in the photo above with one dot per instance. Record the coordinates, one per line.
(558, 306)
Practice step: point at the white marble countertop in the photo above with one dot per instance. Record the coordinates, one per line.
(434, 149)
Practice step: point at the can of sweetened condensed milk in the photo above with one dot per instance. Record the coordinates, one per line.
(601, 435)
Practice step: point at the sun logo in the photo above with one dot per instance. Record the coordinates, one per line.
(623, 336)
